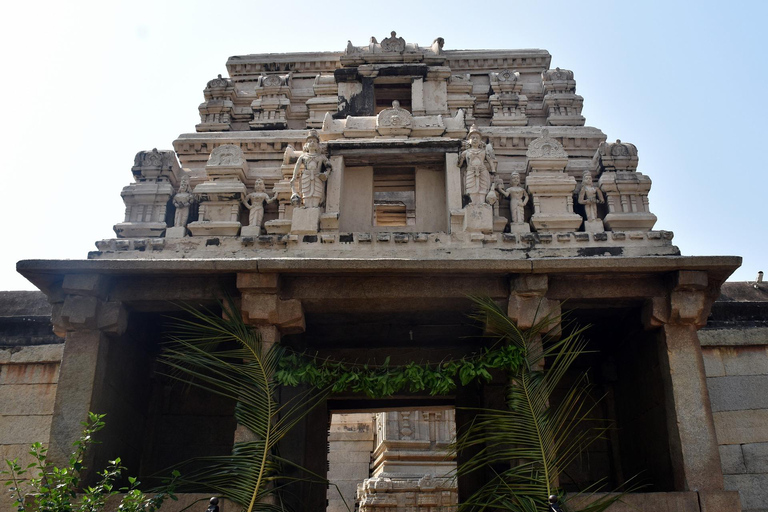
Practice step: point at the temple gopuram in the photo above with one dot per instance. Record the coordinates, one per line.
(351, 203)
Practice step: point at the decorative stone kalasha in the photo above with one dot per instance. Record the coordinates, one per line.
(220, 197)
(146, 201)
(626, 189)
(273, 99)
(507, 102)
(216, 111)
(550, 187)
(562, 103)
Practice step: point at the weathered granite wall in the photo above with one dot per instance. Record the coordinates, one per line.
(350, 443)
(30, 355)
(735, 347)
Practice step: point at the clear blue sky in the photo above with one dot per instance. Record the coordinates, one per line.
(88, 84)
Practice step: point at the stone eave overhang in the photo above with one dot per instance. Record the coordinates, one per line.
(43, 272)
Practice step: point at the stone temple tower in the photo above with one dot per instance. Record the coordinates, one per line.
(351, 202)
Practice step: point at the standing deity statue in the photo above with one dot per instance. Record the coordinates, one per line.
(518, 198)
(310, 190)
(590, 196)
(183, 202)
(481, 162)
(255, 202)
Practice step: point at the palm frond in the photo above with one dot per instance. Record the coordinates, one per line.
(528, 446)
(222, 354)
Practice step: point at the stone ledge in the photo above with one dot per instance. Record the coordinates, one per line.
(738, 336)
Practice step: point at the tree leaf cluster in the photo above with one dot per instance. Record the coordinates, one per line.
(44, 487)
(378, 381)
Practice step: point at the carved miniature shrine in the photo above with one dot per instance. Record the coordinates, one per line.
(350, 202)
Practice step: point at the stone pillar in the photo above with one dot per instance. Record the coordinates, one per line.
(453, 192)
(87, 321)
(329, 221)
(691, 428)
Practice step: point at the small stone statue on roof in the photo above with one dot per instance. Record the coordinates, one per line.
(255, 202)
(590, 196)
(310, 173)
(481, 162)
(183, 201)
(518, 198)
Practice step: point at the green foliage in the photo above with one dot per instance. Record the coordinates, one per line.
(542, 437)
(383, 380)
(222, 354)
(57, 489)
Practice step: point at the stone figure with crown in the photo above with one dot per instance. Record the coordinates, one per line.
(308, 186)
(480, 162)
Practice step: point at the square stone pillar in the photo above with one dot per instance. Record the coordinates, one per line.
(691, 428)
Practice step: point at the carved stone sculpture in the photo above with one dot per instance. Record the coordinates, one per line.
(518, 198)
(182, 201)
(551, 188)
(507, 101)
(310, 173)
(273, 100)
(590, 196)
(626, 190)
(156, 173)
(481, 162)
(216, 112)
(393, 43)
(255, 202)
(308, 186)
(221, 195)
(394, 121)
(562, 103)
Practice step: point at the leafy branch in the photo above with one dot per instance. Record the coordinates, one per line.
(383, 380)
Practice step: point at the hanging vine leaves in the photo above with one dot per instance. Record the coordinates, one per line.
(383, 380)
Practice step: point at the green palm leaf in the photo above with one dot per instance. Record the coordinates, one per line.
(534, 440)
(222, 354)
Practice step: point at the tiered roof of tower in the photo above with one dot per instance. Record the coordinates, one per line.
(389, 149)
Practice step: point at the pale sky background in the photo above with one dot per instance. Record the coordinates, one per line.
(88, 84)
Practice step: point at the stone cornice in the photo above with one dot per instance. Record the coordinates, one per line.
(719, 267)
